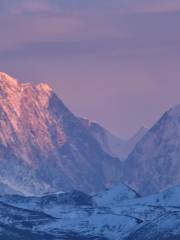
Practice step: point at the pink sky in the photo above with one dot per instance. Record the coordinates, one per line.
(115, 62)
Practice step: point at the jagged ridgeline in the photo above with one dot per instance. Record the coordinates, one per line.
(44, 147)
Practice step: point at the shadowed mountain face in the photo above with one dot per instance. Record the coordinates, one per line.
(154, 164)
(44, 147)
(112, 144)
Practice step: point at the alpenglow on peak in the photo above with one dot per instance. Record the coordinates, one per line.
(44, 147)
(7, 80)
(4, 77)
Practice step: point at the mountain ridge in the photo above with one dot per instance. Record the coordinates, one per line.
(47, 148)
(155, 159)
(112, 144)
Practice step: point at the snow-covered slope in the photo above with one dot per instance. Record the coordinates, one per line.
(114, 196)
(112, 144)
(6, 189)
(159, 213)
(166, 227)
(66, 213)
(167, 198)
(150, 207)
(75, 215)
(44, 147)
(155, 162)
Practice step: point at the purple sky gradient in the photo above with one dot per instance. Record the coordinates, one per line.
(113, 61)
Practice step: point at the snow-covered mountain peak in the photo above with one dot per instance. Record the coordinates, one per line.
(44, 87)
(5, 76)
(153, 165)
(13, 94)
(44, 147)
(6, 79)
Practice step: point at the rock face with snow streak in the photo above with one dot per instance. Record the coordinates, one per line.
(154, 164)
(44, 147)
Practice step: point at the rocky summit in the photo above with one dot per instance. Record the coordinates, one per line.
(44, 147)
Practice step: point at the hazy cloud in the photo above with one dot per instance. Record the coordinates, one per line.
(121, 6)
(125, 53)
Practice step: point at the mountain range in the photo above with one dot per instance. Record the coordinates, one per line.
(66, 177)
(45, 148)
